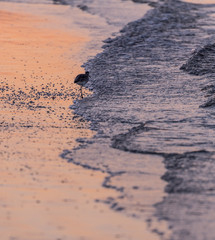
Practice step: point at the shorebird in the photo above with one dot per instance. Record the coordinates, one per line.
(81, 80)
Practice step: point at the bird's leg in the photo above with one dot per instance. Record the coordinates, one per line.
(81, 92)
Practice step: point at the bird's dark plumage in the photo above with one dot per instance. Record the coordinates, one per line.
(81, 80)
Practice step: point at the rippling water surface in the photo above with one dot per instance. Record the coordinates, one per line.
(152, 102)
(155, 95)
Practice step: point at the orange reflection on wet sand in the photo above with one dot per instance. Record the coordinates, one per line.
(34, 54)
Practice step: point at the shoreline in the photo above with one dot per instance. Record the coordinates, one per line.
(43, 197)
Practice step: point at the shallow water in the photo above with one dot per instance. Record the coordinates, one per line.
(144, 103)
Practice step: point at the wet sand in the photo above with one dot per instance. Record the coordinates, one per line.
(43, 196)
